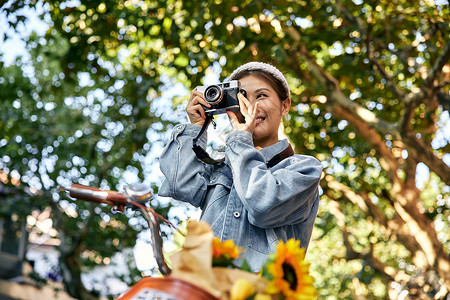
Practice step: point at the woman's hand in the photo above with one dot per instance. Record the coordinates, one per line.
(194, 108)
(248, 111)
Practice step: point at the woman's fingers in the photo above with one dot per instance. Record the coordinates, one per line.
(255, 111)
(244, 105)
(235, 122)
(252, 117)
(248, 111)
(198, 98)
(199, 109)
(195, 108)
(233, 118)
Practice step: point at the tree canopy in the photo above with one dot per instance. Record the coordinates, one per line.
(370, 83)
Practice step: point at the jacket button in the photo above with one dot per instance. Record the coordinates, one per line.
(236, 214)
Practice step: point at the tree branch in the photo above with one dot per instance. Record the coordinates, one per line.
(335, 93)
(422, 153)
(393, 228)
(366, 124)
(387, 160)
(387, 76)
(365, 37)
(69, 258)
(388, 272)
(331, 84)
(356, 198)
(436, 69)
(441, 85)
(3, 2)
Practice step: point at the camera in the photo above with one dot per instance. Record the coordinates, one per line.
(222, 97)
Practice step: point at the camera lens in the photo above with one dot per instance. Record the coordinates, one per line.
(213, 94)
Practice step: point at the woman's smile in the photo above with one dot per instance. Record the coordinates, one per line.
(270, 110)
(259, 120)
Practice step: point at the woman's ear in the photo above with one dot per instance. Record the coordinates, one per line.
(285, 105)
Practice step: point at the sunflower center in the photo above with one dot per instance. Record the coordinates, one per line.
(289, 275)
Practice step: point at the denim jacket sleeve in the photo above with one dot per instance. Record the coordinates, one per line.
(186, 177)
(282, 195)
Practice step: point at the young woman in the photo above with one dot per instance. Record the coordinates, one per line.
(261, 193)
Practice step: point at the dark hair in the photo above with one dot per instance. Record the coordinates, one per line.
(275, 83)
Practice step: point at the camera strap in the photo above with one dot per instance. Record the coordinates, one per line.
(199, 151)
(280, 156)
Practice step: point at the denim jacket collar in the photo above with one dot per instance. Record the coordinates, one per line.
(272, 150)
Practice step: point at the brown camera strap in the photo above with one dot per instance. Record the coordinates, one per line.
(280, 156)
(199, 151)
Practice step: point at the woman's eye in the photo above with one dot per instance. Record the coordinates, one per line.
(260, 96)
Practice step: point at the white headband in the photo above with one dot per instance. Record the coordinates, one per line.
(255, 66)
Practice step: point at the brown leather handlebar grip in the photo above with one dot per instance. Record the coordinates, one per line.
(97, 195)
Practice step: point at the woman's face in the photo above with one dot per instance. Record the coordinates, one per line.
(270, 110)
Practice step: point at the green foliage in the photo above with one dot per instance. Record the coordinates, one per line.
(365, 80)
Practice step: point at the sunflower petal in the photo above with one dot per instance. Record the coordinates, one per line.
(290, 273)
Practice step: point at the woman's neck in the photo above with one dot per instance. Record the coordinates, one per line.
(263, 144)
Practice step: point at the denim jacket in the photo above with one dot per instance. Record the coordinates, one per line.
(242, 199)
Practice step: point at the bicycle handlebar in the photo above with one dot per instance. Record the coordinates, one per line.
(118, 201)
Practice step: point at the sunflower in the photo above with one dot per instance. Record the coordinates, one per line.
(289, 273)
(224, 252)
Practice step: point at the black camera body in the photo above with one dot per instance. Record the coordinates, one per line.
(222, 97)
